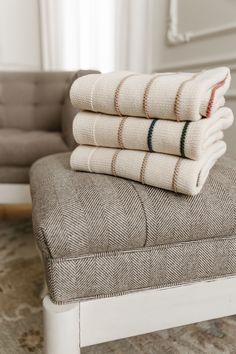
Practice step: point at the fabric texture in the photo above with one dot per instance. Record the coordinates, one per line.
(78, 213)
(35, 119)
(101, 235)
(158, 170)
(153, 151)
(33, 100)
(21, 279)
(174, 96)
(117, 273)
(69, 112)
(14, 174)
(22, 148)
(186, 139)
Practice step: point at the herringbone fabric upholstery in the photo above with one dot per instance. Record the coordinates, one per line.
(115, 273)
(102, 235)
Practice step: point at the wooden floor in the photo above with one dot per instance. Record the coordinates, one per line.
(15, 211)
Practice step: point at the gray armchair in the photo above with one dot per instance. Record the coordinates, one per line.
(35, 119)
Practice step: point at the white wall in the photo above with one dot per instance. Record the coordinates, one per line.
(20, 47)
(213, 28)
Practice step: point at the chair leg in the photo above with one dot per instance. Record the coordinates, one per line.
(61, 328)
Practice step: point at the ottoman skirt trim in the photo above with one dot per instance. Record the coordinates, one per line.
(121, 272)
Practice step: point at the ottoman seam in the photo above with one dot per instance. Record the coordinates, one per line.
(145, 249)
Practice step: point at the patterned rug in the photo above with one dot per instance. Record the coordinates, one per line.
(21, 281)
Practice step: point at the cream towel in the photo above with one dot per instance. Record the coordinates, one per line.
(158, 170)
(175, 96)
(186, 139)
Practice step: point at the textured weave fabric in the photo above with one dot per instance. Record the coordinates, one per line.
(103, 235)
(14, 174)
(35, 119)
(33, 100)
(175, 96)
(186, 139)
(77, 213)
(69, 112)
(158, 170)
(116, 273)
(22, 148)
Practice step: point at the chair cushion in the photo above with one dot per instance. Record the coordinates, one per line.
(33, 100)
(14, 174)
(102, 235)
(22, 148)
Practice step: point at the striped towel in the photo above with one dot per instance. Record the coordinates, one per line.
(186, 139)
(159, 170)
(173, 96)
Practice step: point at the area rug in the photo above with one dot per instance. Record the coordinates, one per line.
(21, 279)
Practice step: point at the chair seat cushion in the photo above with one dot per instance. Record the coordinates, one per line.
(102, 235)
(22, 148)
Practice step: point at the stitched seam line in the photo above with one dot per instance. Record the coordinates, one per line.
(212, 97)
(149, 136)
(113, 162)
(183, 138)
(117, 94)
(143, 168)
(146, 94)
(218, 239)
(90, 159)
(94, 130)
(178, 96)
(175, 175)
(120, 133)
(147, 90)
(198, 178)
(144, 212)
(92, 93)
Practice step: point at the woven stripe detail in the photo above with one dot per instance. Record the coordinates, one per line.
(120, 133)
(113, 162)
(143, 168)
(147, 90)
(213, 92)
(117, 94)
(94, 130)
(149, 136)
(183, 138)
(178, 96)
(92, 92)
(198, 179)
(146, 94)
(90, 159)
(175, 175)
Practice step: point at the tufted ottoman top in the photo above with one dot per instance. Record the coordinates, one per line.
(102, 235)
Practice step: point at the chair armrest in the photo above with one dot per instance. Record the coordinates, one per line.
(69, 112)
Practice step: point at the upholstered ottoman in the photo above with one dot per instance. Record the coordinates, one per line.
(123, 259)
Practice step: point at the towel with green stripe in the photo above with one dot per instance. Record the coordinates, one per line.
(164, 130)
(186, 139)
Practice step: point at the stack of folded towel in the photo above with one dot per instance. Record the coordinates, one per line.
(164, 130)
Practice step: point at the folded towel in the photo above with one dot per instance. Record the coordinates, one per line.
(175, 96)
(159, 170)
(186, 139)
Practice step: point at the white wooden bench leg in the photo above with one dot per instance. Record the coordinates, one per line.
(61, 328)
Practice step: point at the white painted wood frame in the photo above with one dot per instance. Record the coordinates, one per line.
(67, 328)
(15, 193)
